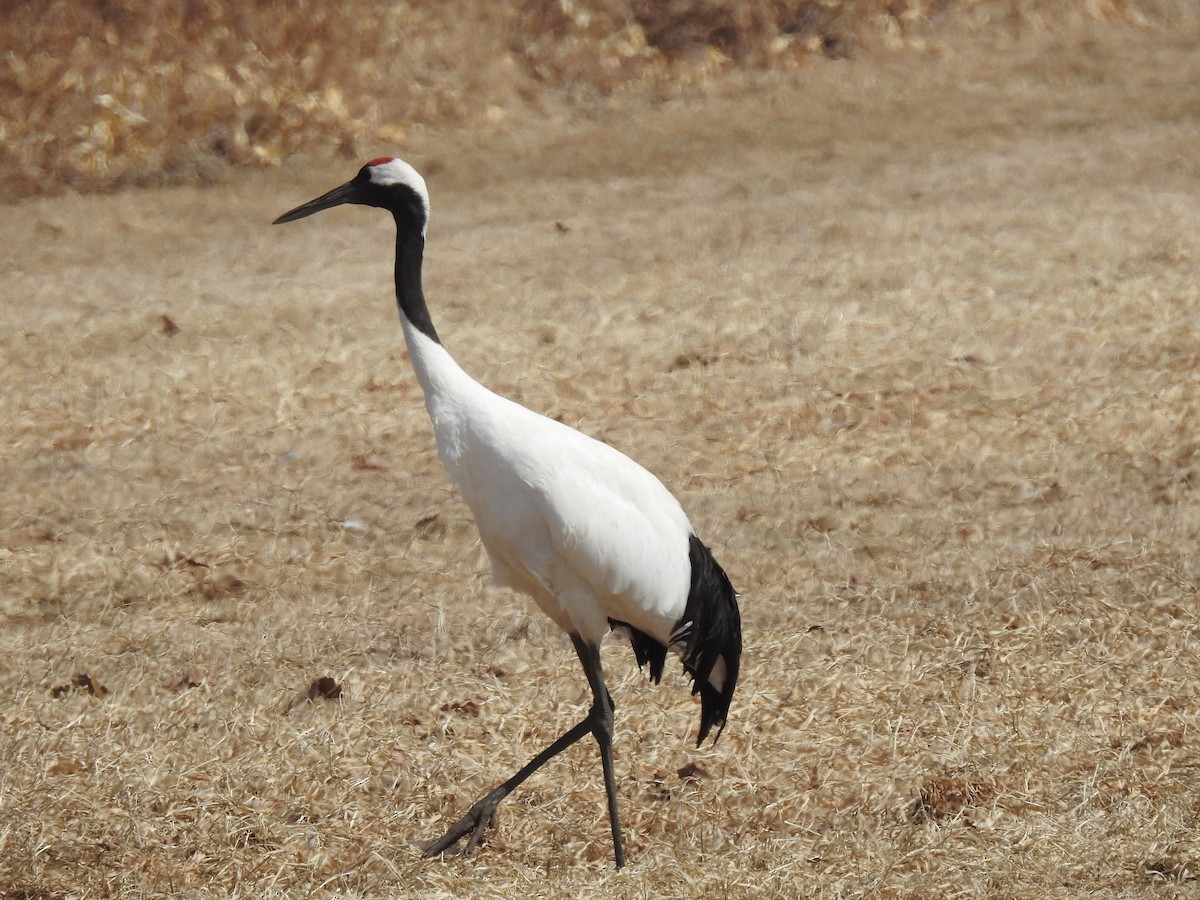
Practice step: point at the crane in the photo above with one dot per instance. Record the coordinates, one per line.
(595, 539)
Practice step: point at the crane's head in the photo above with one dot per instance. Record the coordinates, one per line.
(388, 183)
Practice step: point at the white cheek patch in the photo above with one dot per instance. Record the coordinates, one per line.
(387, 172)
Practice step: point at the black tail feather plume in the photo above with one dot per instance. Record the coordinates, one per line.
(645, 649)
(710, 631)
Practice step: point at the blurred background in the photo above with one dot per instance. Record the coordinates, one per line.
(99, 94)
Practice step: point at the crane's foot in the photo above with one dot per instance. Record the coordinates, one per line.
(479, 819)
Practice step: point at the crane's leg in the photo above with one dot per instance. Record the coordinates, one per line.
(602, 728)
(598, 721)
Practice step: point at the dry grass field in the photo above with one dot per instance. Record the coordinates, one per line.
(913, 336)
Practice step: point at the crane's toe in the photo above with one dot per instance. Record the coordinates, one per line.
(478, 819)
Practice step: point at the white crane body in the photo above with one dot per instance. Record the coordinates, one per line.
(595, 539)
(582, 529)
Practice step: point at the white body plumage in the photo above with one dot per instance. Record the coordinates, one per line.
(585, 531)
(590, 535)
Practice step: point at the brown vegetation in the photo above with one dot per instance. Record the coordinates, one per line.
(912, 336)
(96, 94)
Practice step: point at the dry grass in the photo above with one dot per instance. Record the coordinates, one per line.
(100, 94)
(913, 338)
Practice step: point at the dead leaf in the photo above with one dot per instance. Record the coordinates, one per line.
(690, 358)
(692, 772)
(1173, 868)
(429, 526)
(463, 707)
(64, 767)
(80, 682)
(360, 462)
(325, 688)
(194, 680)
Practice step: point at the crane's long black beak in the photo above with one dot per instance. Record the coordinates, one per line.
(347, 193)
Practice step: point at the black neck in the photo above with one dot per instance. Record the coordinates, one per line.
(410, 249)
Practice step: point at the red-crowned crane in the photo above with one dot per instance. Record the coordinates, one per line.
(590, 535)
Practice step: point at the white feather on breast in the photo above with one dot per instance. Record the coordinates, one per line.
(585, 531)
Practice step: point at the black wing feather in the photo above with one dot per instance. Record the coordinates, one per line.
(709, 630)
